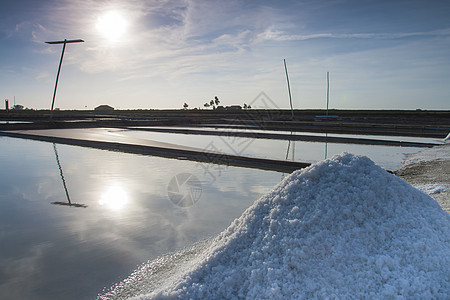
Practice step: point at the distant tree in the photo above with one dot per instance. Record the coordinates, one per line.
(185, 105)
(206, 105)
(249, 106)
(245, 106)
(216, 100)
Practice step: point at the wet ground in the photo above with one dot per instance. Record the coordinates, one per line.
(435, 171)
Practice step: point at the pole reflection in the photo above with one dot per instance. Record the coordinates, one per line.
(68, 203)
(289, 148)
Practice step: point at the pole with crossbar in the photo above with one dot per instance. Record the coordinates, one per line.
(59, 68)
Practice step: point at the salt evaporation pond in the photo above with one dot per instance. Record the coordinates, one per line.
(342, 228)
(387, 157)
(50, 251)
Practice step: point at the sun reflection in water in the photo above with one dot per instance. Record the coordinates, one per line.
(114, 198)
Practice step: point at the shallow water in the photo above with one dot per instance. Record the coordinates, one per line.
(50, 251)
(13, 122)
(388, 157)
(356, 136)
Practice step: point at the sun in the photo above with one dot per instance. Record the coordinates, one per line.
(111, 25)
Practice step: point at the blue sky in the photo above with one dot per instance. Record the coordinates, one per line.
(160, 54)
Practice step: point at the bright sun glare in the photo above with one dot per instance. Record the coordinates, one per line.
(111, 25)
(115, 198)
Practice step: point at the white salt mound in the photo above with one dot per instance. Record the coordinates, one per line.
(342, 228)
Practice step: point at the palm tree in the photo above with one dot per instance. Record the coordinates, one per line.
(216, 100)
(185, 105)
(206, 105)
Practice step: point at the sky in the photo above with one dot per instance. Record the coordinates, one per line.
(155, 54)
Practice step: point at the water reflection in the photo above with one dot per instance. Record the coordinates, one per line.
(388, 157)
(289, 148)
(52, 253)
(114, 198)
(69, 203)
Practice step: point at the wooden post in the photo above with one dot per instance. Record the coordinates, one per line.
(59, 68)
(328, 90)
(289, 89)
(57, 78)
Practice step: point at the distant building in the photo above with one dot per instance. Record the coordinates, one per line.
(234, 107)
(104, 108)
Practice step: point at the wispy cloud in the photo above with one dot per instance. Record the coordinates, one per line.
(42, 75)
(177, 37)
(277, 35)
(173, 32)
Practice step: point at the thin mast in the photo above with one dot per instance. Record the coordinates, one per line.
(59, 68)
(289, 89)
(328, 90)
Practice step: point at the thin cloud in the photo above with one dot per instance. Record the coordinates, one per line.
(276, 35)
(42, 75)
(195, 34)
(179, 33)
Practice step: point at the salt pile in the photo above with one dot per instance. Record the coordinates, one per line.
(342, 228)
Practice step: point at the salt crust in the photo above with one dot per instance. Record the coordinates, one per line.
(433, 188)
(441, 152)
(342, 228)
